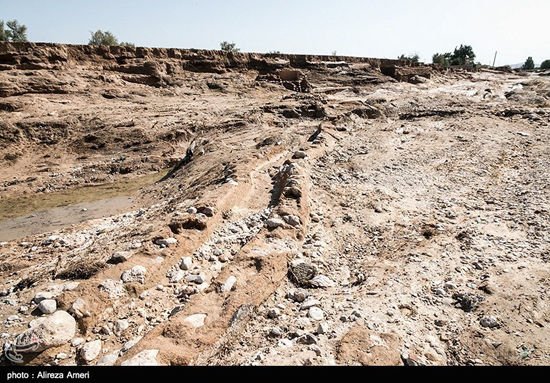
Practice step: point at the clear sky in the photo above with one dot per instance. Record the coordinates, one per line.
(371, 28)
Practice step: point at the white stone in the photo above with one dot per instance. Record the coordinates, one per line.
(196, 320)
(186, 263)
(316, 313)
(198, 279)
(144, 358)
(131, 343)
(166, 242)
(42, 295)
(121, 326)
(229, 283)
(47, 306)
(90, 350)
(322, 281)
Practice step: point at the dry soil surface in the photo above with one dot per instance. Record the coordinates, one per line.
(318, 212)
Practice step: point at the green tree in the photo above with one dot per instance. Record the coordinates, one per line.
(229, 47)
(529, 64)
(15, 33)
(463, 55)
(545, 64)
(102, 38)
(127, 44)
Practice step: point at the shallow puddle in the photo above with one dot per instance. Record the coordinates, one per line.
(42, 213)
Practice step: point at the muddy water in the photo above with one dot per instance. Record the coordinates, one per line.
(60, 217)
(43, 213)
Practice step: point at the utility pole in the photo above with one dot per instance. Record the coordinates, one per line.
(495, 60)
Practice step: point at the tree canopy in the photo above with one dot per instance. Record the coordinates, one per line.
(16, 33)
(463, 55)
(529, 64)
(102, 38)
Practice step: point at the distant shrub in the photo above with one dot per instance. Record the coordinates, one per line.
(529, 64)
(229, 47)
(545, 64)
(441, 59)
(411, 58)
(15, 33)
(126, 44)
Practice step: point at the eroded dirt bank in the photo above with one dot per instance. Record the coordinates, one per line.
(321, 210)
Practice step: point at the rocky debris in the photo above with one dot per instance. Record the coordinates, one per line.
(175, 275)
(291, 79)
(135, 275)
(467, 302)
(144, 358)
(90, 350)
(114, 289)
(368, 112)
(52, 331)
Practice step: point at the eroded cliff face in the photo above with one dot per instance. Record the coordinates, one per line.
(270, 209)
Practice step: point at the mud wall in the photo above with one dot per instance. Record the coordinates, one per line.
(51, 56)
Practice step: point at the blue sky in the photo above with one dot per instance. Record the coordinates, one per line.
(371, 28)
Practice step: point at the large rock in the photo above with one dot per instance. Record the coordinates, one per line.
(53, 331)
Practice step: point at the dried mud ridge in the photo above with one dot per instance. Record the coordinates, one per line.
(318, 210)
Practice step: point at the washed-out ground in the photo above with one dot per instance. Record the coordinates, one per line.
(355, 220)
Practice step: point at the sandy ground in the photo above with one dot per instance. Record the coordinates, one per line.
(358, 220)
